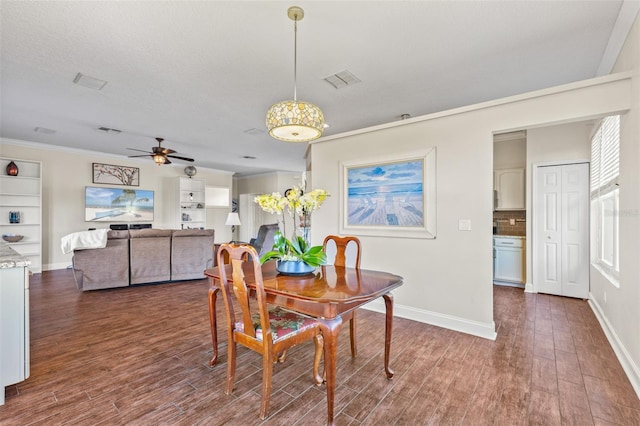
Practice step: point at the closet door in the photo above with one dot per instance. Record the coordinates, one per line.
(561, 230)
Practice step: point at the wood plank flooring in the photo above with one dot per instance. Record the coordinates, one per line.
(140, 355)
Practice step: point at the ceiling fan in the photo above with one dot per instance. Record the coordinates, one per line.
(160, 155)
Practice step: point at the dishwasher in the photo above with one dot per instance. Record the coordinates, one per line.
(509, 260)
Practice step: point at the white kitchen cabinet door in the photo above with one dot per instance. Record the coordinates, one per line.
(509, 260)
(14, 327)
(510, 189)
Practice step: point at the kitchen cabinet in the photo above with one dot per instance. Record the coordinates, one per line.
(191, 212)
(14, 322)
(509, 259)
(23, 194)
(509, 186)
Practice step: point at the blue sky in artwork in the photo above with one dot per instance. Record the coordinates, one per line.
(103, 196)
(407, 172)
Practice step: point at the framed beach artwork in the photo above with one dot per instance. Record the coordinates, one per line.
(117, 205)
(390, 197)
(116, 175)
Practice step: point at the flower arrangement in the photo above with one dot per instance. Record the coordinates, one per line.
(297, 204)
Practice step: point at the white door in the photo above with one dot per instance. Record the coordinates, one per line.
(251, 217)
(561, 230)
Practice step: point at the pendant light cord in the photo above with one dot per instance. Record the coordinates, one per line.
(295, 58)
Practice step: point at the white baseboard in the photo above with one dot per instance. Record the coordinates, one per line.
(628, 365)
(475, 328)
(54, 266)
(528, 288)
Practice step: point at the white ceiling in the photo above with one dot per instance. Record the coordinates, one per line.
(201, 74)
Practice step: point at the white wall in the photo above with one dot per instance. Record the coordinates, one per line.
(448, 281)
(267, 183)
(620, 311)
(559, 143)
(510, 154)
(65, 173)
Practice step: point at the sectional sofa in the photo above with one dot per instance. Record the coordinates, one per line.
(140, 256)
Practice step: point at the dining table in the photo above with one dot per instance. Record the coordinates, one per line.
(328, 294)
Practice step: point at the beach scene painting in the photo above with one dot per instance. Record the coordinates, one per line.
(118, 205)
(386, 194)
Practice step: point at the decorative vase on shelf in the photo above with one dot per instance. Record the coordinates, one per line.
(294, 267)
(12, 169)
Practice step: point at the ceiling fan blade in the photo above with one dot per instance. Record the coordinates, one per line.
(166, 161)
(166, 151)
(146, 155)
(181, 158)
(133, 149)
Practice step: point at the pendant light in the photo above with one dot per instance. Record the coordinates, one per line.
(295, 120)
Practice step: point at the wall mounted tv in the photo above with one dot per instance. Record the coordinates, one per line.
(117, 205)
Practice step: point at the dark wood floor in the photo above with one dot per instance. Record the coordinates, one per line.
(140, 356)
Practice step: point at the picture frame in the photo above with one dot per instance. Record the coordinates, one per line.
(390, 196)
(110, 174)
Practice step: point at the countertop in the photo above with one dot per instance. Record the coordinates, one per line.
(520, 237)
(9, 258)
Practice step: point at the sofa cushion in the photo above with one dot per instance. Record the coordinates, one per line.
(191, 253)
(106, 267)
(150, 255)
(149, 233)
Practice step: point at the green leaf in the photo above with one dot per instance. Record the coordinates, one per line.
(270, 255)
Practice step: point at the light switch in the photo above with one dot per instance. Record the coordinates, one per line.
(464, 225)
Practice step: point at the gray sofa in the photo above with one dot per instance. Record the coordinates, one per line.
(140, 256)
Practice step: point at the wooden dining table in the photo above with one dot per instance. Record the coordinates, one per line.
(328, 294)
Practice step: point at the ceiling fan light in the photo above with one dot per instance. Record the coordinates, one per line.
(295, 121)
(159, 159)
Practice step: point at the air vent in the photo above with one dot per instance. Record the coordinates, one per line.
(108, 130)
(342, 79)
(90, 82)
(44, 130)
(254, 131)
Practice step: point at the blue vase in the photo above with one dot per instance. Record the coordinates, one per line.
(294, 267)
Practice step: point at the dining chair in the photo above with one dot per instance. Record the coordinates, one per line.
(340, 260)
(270, 330)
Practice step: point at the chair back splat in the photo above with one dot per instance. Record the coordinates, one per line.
(341, 249)
(269, 331)
(341, 261)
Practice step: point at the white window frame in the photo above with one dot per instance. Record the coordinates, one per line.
(605, 198)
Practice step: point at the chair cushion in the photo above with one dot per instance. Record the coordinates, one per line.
(283, 323)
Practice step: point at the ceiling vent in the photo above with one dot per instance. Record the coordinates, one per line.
(90, 82)
(254, 131)
(342, 79)
(108, 130)
(44, 130)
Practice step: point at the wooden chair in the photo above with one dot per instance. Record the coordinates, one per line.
(269, 331)
(341, 261)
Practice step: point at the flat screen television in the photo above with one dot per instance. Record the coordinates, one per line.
(117, 205)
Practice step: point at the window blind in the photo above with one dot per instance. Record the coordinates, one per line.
(605, 156)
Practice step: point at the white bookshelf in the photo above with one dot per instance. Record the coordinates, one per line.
(191, 211)
(23, 193)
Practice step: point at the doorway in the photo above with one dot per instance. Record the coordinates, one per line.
(561, 229)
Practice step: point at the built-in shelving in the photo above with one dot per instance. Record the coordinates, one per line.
(191, 212)
(23, 194)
